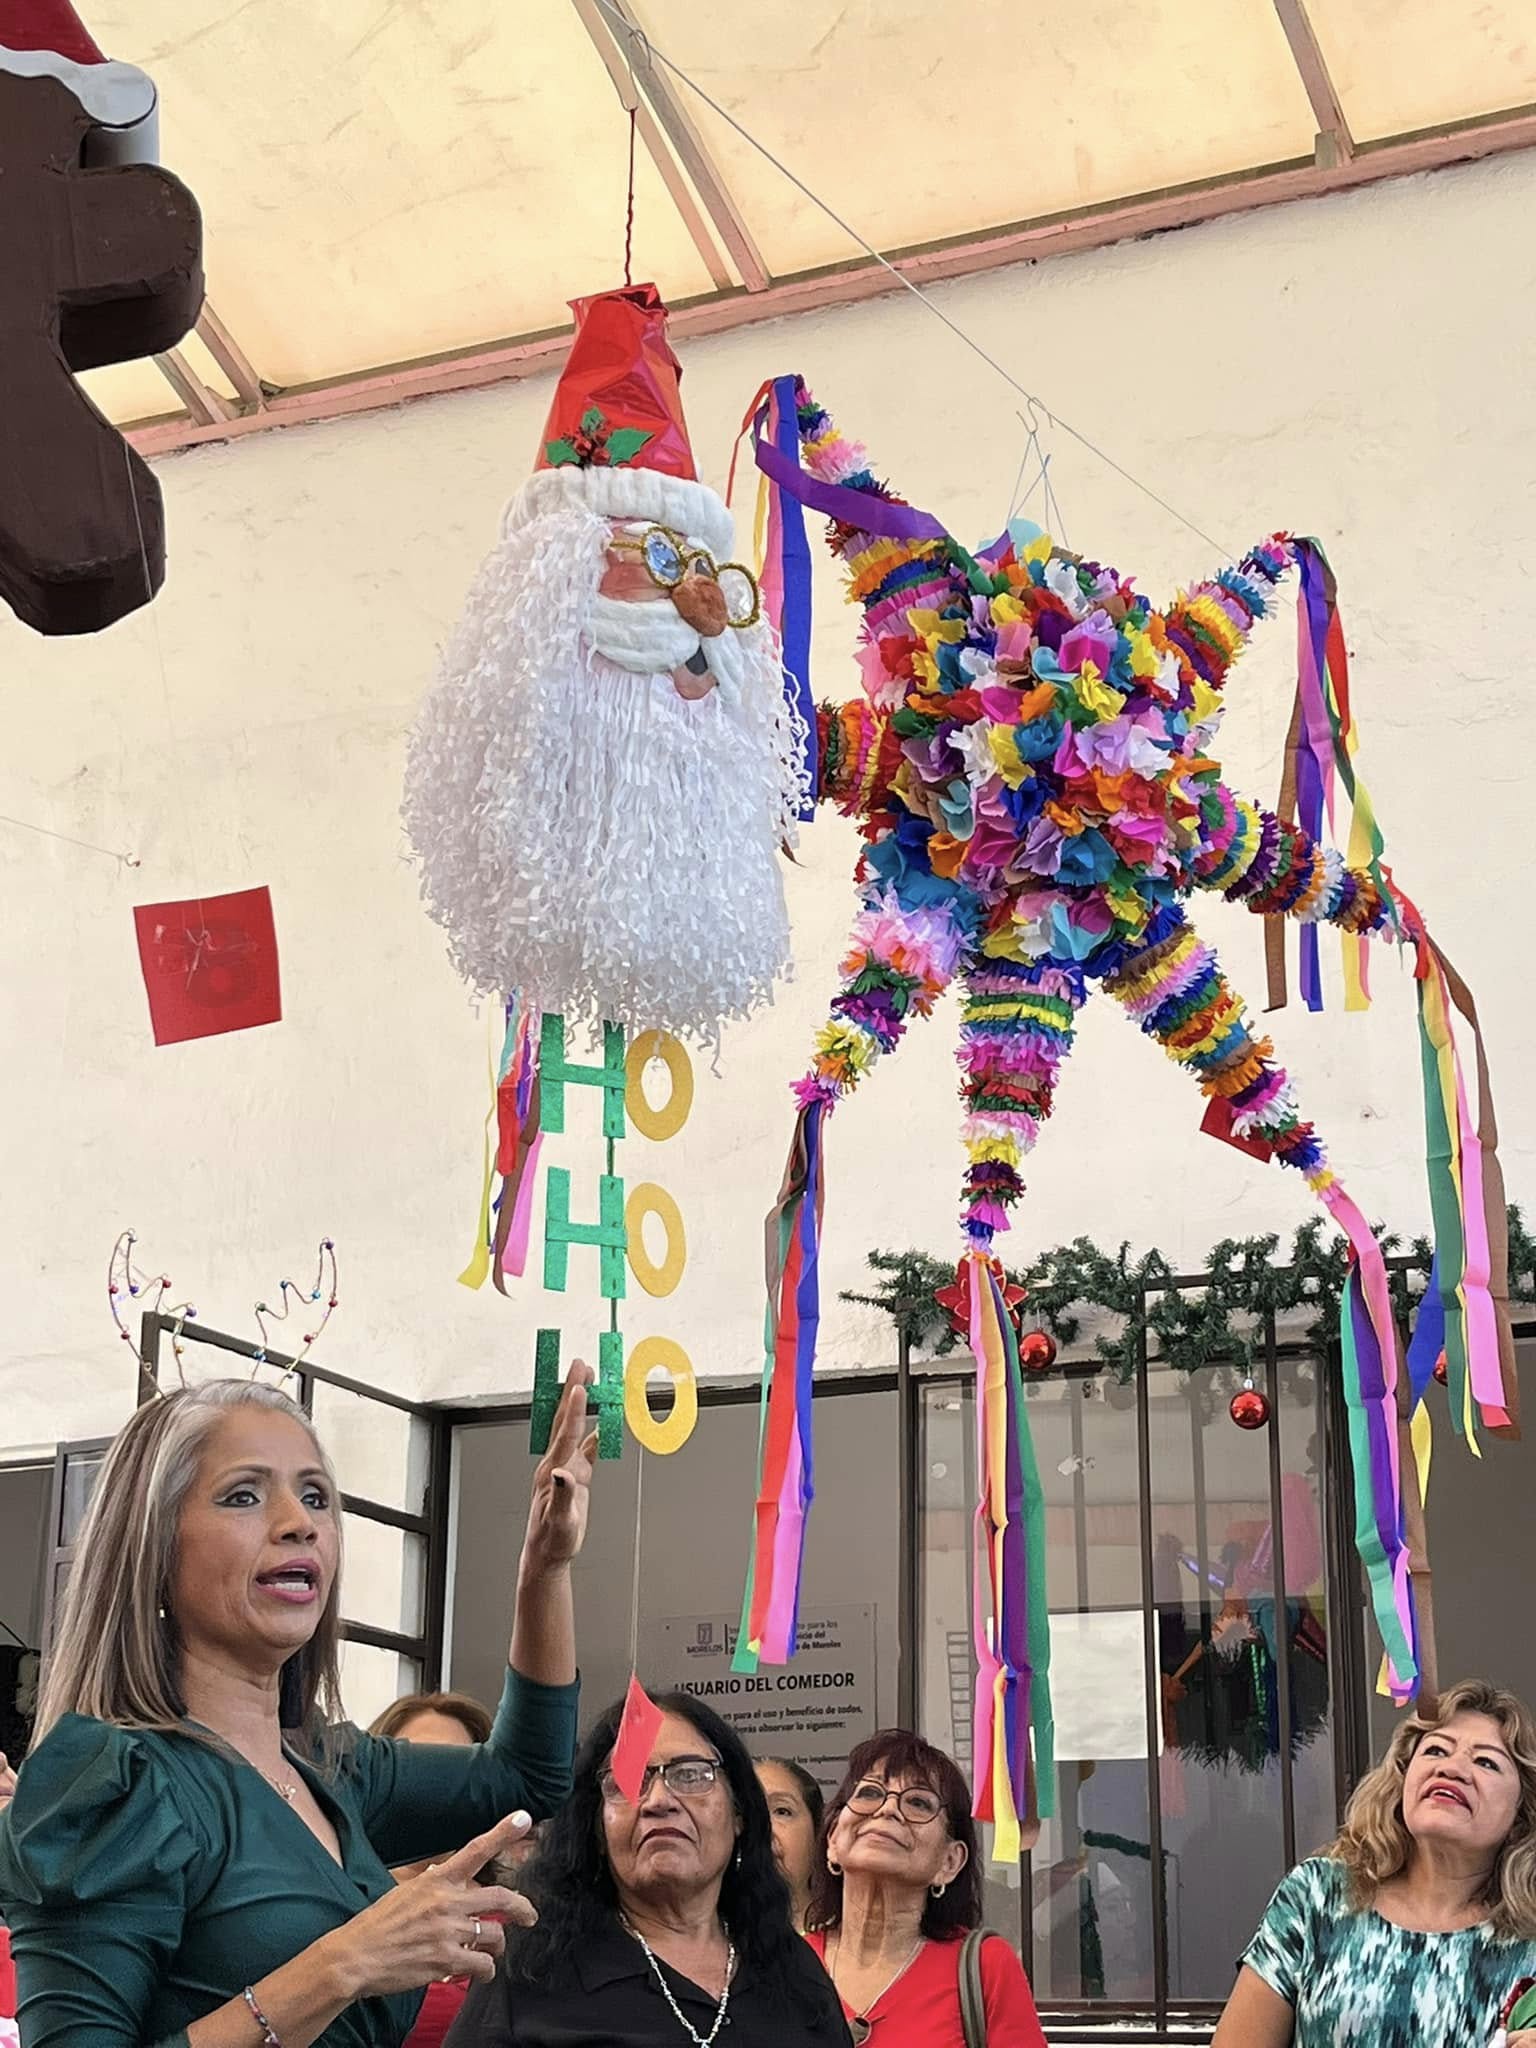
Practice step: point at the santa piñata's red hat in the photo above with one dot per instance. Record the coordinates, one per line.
(615, 438)
(47, 39)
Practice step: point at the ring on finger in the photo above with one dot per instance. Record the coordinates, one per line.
(476, 1942)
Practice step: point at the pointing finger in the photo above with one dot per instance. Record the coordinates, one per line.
(467, 1862)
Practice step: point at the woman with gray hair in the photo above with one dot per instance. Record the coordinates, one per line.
(198, 1852)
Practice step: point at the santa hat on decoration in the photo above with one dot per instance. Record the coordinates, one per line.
(615, 439)
(47, 39)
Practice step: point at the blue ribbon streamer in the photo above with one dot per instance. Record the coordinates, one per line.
(795, 565)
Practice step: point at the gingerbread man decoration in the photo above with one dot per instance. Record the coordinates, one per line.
(100, 262)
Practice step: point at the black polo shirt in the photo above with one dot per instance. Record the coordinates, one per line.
(610, 1995)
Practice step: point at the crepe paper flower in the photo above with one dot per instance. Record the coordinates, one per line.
(1087, 856)
(1094, 641)
(972, 744)
(956, 807)
(1095, 697)
(1043, 844)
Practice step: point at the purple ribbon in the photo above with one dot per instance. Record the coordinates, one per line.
(1316, 746)
(861, 509)
(808, 1310)
(795, 572)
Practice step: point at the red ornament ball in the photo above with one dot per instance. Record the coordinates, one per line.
(1037, 1351)
(1249, 1409)
(1442, 1370)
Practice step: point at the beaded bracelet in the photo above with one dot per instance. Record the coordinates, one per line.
(268, 2038)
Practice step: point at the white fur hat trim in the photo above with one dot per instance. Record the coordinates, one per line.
(691, 509)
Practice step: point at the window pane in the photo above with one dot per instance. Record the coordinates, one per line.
(81, 1469)
(1220, 1653)
(382, 1575)
(380, 1453)
(372, 1679)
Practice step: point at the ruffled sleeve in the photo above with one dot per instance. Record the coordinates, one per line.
(97, 1864)
(426, 1799)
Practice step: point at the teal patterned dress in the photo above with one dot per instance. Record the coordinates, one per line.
(1356, 1981)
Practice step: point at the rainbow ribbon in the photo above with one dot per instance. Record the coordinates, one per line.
(1327, 744)
(785, 1472)
(1010, 1614)
(1368, 1347)
(1465, 1312)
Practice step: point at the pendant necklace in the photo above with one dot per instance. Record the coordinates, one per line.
(862, 2025)
(699, 2040)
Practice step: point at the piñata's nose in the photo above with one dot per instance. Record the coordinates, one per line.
(701, 601)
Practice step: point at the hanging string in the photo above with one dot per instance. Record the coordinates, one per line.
(627, 34)
(629, 214)
(201, 937)
(634, 1598)
(127, 860)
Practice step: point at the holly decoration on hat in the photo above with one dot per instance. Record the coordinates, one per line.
(595, 444)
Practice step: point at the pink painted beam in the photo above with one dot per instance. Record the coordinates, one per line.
(506, 362)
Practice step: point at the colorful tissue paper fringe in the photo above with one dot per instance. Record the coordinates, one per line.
(501, 1242)
(1032, 769)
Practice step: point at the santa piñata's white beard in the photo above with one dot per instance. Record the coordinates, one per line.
(587, 836)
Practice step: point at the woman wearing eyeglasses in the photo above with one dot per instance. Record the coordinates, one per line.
(663, 1921)
(899, 1892)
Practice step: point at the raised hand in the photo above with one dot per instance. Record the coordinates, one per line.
(442, 1924)
(562, 1484)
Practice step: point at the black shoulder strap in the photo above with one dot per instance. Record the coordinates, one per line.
(973, 2001)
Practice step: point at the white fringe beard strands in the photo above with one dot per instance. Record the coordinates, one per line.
(586, 835)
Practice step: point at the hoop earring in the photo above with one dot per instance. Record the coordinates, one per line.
(938, 1890)
(835, 1868)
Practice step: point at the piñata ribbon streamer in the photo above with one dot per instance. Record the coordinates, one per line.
(1368, 1344)
(1465, 1312)
(786, 1481)
(1010, 1616)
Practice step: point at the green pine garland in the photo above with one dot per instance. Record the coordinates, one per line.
(1219, 1322)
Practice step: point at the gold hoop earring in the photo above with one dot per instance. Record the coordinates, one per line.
(938, 1890)
(835, 1868)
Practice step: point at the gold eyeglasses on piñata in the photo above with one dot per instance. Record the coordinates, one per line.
(669, 559)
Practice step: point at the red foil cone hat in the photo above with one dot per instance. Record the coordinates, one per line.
(619, 402)
(615, 440)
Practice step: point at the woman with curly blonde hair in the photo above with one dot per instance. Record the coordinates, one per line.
(1418, 1924)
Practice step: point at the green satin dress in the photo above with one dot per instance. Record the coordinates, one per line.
(146, 1879)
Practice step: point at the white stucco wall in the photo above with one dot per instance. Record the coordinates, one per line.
(1359, 368)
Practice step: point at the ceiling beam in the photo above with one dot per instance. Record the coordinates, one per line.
(846, 284)
(204, 406)
(231, 358)
(678, 189)
(689, 144)
(1335, 144)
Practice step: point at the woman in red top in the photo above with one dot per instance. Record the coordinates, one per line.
(900, 1890)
